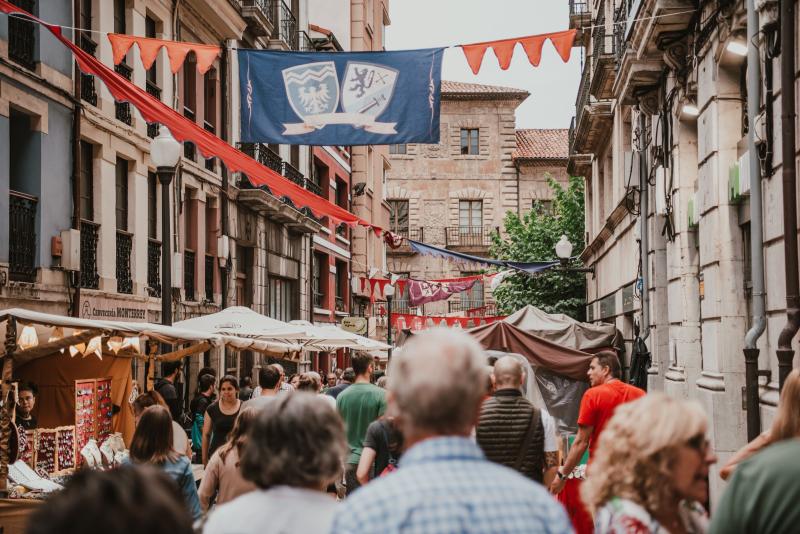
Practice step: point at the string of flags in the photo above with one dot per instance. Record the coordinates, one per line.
(405, 321)
(532, 45)
(176, 51)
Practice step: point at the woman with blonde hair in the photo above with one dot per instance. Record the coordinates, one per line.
(222, 475)
(650, 469)
(786, 425)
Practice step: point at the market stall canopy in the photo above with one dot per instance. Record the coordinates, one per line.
(243, 322)
(566, 331)
(540, 352)
(326, 337)
(41, 334)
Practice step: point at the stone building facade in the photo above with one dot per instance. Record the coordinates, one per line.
(455, 194)
(662, 96)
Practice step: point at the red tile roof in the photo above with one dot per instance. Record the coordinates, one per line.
(541, 144)
(480, 91)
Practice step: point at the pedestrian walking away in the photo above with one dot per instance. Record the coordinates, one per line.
(444, 484)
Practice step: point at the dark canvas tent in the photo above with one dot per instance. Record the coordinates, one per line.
(566, 331)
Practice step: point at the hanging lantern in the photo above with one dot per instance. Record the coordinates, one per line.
(28, 338)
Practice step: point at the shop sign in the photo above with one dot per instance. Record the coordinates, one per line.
(356, 325)
(101, 308)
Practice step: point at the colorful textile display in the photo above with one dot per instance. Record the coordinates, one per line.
(407, 321)
(531, 267)
(176, 51)
(421, 291)
(532, 44)
(359, 98)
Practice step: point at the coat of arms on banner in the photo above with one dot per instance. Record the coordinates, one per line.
(313, 91)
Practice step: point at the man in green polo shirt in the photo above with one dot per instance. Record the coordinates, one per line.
(359, 405)
(763, 494)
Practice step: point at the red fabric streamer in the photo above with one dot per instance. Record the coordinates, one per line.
(182, 129)
(407, 321)
(504, 48)
(177, 51)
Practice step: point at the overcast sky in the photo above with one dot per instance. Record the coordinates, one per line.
(553, 84)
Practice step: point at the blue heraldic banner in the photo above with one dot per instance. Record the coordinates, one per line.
(340, 98)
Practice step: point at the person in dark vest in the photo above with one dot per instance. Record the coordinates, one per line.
(512, 431)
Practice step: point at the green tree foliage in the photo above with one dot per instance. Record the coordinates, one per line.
(533, 238)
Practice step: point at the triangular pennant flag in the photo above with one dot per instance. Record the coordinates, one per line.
(382, 285)
(372, 283)
(177, 54)
(533, 48)
(474, 54)
(504, 50)
(563, 41)
(401, 286)
(120, 44)
(149, 50)
(206, 54)
(363, 284)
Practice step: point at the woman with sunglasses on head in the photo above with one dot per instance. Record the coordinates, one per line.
(220, 417)
(650, 470)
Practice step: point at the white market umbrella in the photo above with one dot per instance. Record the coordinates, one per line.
(327, 338)
(243, 322)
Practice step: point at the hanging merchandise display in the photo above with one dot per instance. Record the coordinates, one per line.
(347, 98)
(421, 291)
(532, 44)
(176, 51)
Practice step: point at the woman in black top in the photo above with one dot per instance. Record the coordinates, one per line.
(220, 416)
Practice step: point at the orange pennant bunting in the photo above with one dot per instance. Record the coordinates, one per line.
(533, 48)
(504, 50)
(563, 42)
(177, 51)
(474, 54)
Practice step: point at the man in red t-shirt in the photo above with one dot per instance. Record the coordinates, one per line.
(607, 392)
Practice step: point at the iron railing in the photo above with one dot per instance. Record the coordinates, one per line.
(88, 92)
(154, 267)
(469, 236)
(188, 148)
(578, 7)
(286, 25)
(582, 99)
(304, 43)
(472, 307)
(267, 7)
(123, 109)
(154, 91)
(212, 129)
(404, 306)
(620, 43)
(209, 278)
(312, 186)
(415, 234)
(90, 233)
(264, 155)
(124, 247)
(339, 303)
(188, 274)
(22, 235)
(602, 40)
(290, 172)
(22, 37)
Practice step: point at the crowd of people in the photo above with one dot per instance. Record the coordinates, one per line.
(438, 445)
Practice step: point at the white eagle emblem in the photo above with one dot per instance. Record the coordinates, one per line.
(314, 98)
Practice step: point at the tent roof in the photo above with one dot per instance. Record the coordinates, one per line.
(504, 336)
(242, 322)
(564, 330)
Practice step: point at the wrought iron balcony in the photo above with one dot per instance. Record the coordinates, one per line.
(189, 148)
(416, 234)
(286, 24)
(22, 235)
(472, 307)
(188, 275)
(620, 42)
(402, 305)
(154, 91)
(469, 236)
(123, 109)
(264, 155)
(88, 92)
(603, 58)
(90, 233)
(154, 267)
(209, 277)
(582, 99)
(312, 186)
(578, 13)
(260, 16)
(290, 172)
(304, 43)
(22, 37)
(124, 247)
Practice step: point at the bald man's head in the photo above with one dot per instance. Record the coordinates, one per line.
(508, 373)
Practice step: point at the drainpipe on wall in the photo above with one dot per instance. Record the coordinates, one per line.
(223, 197)
(756, 227)
(75, 277)
(785, 352)
(644, 242)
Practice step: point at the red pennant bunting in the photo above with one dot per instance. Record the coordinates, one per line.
(504, 50)
(120, 44)
(382, 286)
(372, 283)
(474, 54)
(401, 286)
(149, 51)
(533, 48)
(563, 42)
(363, 284)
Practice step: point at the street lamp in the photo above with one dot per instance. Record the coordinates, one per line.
(564, 253)
(388, 291)
(165, 152)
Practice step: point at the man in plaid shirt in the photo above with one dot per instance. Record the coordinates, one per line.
(444, 483)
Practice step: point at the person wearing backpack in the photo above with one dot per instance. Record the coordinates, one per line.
(165, 386)
(383, 445)
(198, 406)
